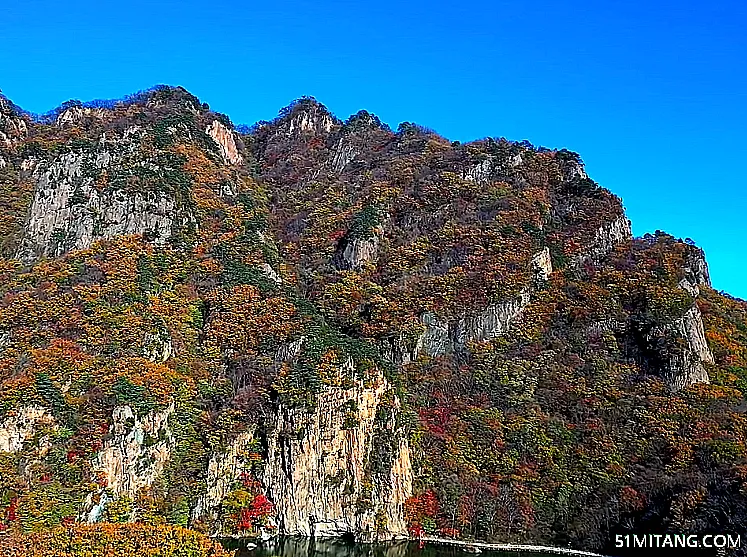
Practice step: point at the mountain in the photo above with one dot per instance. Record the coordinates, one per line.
(325, 327)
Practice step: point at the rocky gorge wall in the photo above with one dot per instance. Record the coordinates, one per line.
(328, 473)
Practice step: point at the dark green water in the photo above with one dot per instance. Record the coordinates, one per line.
(304, 547)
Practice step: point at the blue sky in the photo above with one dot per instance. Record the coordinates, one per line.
(652, 94)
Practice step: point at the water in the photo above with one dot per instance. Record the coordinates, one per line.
(305, 547)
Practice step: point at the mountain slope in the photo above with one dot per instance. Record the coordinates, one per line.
(322, 327)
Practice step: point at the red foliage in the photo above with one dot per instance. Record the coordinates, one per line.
(449, 532)
(631, 499)
(419, 507)
(416, 530)
(10, 512)
(336, 235)
(260, 508)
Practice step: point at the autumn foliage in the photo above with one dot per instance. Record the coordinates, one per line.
(112, 540)
(311, 265)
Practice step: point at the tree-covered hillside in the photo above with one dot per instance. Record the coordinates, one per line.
(325, 327)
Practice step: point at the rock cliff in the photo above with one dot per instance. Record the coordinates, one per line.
(677, 350)
(22, 426)
(341, 470)
(226, 142)
(70, 212)
(131, 459)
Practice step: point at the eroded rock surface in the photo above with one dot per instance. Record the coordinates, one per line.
(132, 458)
(682, 348)
(69, 212)
(327, 471)
(226, 142)
(21, 426)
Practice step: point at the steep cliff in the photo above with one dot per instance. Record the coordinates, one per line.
(69, 212)
(343, 468)
(22, 426)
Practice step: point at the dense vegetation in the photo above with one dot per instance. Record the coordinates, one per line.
(344, 234)
(113, 540)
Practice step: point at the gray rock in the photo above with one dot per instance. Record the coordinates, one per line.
(355, 253)
(68, 212)
(684, 366)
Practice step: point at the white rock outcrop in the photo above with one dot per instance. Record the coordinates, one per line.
(696, 268)
(683, 366)
(542, 264)
(226, 142)
(607, 237)
(480, 173)
(442, 337)
(342, 154)
(12, 128)
(355, 253)
(490, 323)
(135, 454)
(21, 426)
(312, 118)
(157, 347)
(223, 471)
(77, 114)
(485, 171)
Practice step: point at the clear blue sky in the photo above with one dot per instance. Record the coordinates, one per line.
(652, 94)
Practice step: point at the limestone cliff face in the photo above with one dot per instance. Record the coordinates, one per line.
(490, 323)
(69, 212)
(226, 142)
(485, 171)
(12, 127)
(453, 337)
(344, 468)
(77, 115)
(21, 426)
(132, 458)
(682, 348)
(355, 252)
(542, 264)
(342, 154)
(310, 118)
(223, 471)
(611, 234)
(696, 268)
(480, 173)
(442, 336)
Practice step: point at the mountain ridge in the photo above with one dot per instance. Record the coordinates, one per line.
(326, 327)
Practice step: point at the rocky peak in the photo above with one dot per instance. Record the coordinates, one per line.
(307, 116)
(169, 96)
(77, 115)
(571, 165)
(696, 267)
(6, 107)
(364, 120)
(12, 126)
(679, 349)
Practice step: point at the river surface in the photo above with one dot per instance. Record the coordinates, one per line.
(304, 547)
